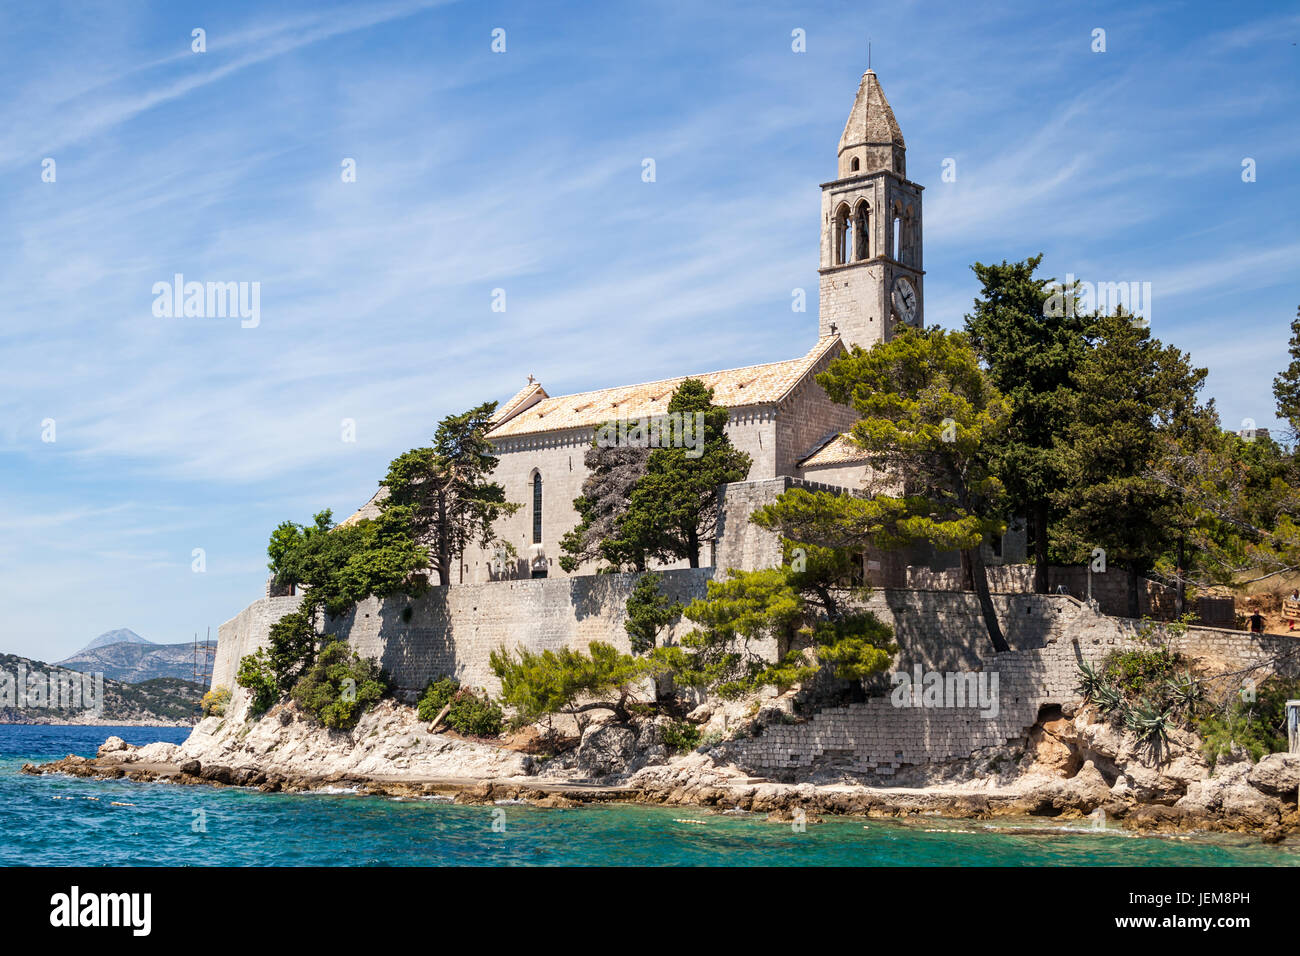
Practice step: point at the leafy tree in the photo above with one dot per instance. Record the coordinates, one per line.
(1134, 402)
(443, 494)
(674, 506)
(933, 422)
(256, 676)
(296, 550)
(1257, 726)
(292, 647)
(612, 474)
(737, 613)
(649, 613)
(339, 566)
(1030, 336)
(1286, 386)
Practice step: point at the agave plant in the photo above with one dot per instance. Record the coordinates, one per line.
(1151, 725)
(1090, 681)
(1184, 693)
(1108, 698)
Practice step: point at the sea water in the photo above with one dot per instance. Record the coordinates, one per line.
(57, 820)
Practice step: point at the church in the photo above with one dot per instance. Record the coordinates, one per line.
(871, 283)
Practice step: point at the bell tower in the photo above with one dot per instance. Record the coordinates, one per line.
(871, 229)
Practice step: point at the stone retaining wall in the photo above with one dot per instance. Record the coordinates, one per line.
(452, 630)
(877, 739)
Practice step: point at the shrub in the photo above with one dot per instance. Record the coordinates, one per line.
(292, 647)
(258, 677)
(1144, 691)
(473, 714)
(436, 696)
(680, 736)
(339, 686)
(215, 702)
(712, 739)
(1257, 726)
(1142, 673)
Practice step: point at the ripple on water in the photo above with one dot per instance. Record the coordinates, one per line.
(47, 821)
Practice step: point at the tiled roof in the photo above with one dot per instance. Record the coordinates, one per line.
(840, 450)
(733, 388)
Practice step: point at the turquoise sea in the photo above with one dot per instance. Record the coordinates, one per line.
(61, 821)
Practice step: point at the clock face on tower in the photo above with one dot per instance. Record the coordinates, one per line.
(904, 299)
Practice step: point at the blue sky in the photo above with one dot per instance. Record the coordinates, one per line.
(522, 171)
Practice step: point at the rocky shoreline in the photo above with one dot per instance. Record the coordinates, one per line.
(391, 753)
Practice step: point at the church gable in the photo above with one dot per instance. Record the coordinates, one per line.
(525, 398)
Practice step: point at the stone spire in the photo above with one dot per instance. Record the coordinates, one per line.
(871, 140)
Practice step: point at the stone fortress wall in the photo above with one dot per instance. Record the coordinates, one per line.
(453, 630)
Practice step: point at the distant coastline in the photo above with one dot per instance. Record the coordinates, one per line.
(46, 721)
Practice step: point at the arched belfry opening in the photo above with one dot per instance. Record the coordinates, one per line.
(841, 235)
(862, 231)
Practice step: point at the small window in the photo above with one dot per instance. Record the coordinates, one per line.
(853, 166)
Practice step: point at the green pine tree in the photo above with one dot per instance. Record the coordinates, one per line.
(1286, 386)
(1135, 400)
(1030, 336)
(674, 507)
(932, 423)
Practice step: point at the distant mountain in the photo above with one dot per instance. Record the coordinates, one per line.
(133, 663)
(165, 701)
(119, 635)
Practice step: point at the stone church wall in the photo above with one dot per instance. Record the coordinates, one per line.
(558, 458)
(808, 418)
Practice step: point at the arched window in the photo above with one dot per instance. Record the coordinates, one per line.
(853, 166)
(898, 236)
(909, 238)
(841, 236)
(537, 508)
(862, 231)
